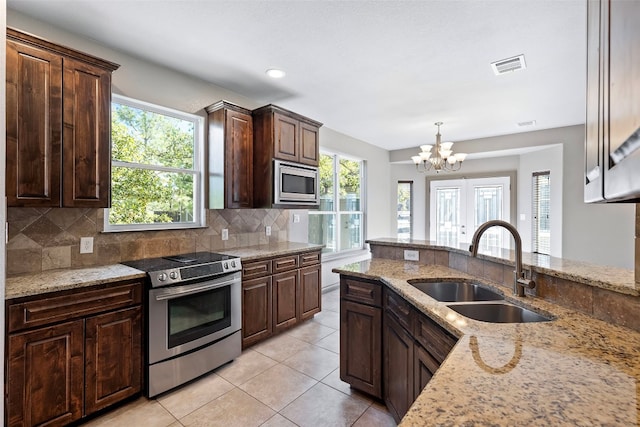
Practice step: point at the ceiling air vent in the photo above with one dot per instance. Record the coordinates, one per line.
(508, 65)
(527, 123)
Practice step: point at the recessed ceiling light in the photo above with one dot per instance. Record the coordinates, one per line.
(275, 73)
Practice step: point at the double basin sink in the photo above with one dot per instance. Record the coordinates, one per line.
(476, 302)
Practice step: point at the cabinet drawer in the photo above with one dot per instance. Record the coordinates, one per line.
(285, 263)
(398, 308)
(46, 310)
(311, 258)
(256, 269)
(361, 291)
(433, 338)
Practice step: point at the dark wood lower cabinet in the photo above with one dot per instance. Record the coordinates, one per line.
(310, 291)
(361, 347)
(285, 297)
(398, 368)
(278, 293)
(388, 348)
(257, 318)
(45, 370)
(424, 368)
(72, 353)
(113, 358)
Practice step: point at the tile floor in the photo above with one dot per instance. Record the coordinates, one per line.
(292, 379)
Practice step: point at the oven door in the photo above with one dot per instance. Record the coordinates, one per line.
(185, 317)
(295, 184)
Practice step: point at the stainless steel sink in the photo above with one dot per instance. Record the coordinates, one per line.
(498, 313)
(457, 291)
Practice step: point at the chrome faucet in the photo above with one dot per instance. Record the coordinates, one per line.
(520, 281)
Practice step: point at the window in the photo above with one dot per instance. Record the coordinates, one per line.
(338, 223)
(541, 233)
(405, 209)
(156, 167)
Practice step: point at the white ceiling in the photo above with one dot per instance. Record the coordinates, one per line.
(379, 71)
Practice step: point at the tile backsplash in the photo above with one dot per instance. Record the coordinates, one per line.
(49, 238)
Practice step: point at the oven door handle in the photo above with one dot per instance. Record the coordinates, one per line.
(180, 291)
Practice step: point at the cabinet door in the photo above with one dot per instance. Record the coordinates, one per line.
(309, 144)
(257, 318)
(45, 375)
(34, 126)
(424, 368)
(285, 143)
(285, 300)
(397, 367)
(594, 172)
(310, 291)
(360, 347)
(86, 162)
(622, 91)
(239, 160)
(113, 360)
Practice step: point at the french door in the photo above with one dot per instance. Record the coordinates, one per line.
(459, 206)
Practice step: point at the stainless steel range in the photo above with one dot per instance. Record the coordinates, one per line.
(193, 316)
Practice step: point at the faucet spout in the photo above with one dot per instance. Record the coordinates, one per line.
(520, 281)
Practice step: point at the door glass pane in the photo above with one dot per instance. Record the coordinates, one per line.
(349, 185)
(322, 230)
(487, 207)
(448, 216)
(404, 228)
(350, 231)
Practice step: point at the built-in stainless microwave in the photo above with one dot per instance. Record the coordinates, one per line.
(295, 184)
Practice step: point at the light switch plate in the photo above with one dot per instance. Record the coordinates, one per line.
(411, 255)
(225, 234)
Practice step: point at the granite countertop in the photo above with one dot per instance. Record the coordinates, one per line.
(64, 279)
(251, 253)
(606, 277)
(61, 280)
(574, 370)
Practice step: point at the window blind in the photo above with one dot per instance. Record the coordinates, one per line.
(541, 213)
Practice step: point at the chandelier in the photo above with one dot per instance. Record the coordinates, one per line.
(442, 159)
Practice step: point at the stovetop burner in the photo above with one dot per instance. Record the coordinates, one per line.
(180, 258)
(191, 266)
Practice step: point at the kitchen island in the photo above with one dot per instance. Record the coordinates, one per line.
(573, 370)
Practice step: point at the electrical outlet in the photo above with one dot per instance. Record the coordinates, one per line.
(411, 255)
(225, 234)
(86, 245)
(267, 230)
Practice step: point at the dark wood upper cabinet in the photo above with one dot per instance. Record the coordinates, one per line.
(58, 125)
(230, 156)
(282, 135)
(612, 140)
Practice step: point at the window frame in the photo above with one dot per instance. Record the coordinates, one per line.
(198, 171)
(336, 212)
(410, 183)
(535, 220)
